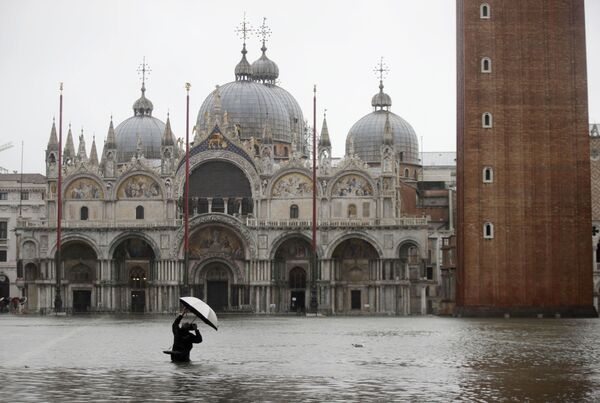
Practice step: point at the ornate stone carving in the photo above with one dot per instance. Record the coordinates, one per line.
(84, 189)
(352, 185)
(139, 187)
(292, 185)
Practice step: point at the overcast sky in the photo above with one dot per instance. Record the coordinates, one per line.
(95, 48)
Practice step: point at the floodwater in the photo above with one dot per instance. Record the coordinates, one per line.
(119, 358)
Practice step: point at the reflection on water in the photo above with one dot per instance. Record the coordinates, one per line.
(308, 359)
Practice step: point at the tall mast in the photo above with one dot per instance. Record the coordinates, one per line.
(57, 297)
(186, 195)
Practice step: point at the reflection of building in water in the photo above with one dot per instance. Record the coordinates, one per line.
(250, 205)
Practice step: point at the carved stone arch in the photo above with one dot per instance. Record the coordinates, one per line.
(408, 241)
(236, 272)
(130, 174)
(240, 162)
(67, 185)
(287, 171)
(36, 244)
(77, 238)
(114, 244)
(216, 218)
(281, 239)
(355, 234)
(341, 174)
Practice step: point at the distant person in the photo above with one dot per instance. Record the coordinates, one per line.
(184, 339)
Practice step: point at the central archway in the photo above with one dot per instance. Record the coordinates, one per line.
(79, 262)
(220, 187)
(134, 263)
(213, 282)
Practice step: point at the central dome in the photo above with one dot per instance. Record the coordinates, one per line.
(253, 100)
(250, 105)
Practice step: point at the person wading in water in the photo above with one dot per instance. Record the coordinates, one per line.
(184, 339)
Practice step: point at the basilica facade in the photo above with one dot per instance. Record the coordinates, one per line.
(250, 208)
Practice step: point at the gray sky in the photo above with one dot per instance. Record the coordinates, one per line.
(95, 48)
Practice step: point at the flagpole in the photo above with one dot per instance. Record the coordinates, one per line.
(186, 205)
(57, 297)
(313, 297)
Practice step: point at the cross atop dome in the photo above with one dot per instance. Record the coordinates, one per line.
(264, 31)
(244, 29)
(381, 70)
(143, 70)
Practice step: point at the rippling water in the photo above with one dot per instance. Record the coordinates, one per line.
(301, 358)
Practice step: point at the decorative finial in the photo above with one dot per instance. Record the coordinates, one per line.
(243, 30)
(325, 113)
(188, 86)
(144, 69)
(265, 32)
(381, 70)
(61, 87)
(315, 89)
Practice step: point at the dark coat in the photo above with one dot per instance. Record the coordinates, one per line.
(183, 342)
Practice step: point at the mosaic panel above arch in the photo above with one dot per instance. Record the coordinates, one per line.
(352, 185)
(139, 187)
(292, 185)
(84, 189)
(215, 240)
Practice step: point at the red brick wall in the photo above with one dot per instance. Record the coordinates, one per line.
(538, 147)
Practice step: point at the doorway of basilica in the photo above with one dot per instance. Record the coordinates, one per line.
(217, 286)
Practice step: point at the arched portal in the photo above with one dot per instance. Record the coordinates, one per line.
(354, 264)
(213, 282)
(79, 264)
(293, 271)
(134, 261)
(220, 187)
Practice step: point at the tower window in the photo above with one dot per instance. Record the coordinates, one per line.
(487, 121)
(488, 230)
(406, 173)
(84, 213)
(486, 65)
(488, 175)
(484, 11)
(294, 212)
(139, 213)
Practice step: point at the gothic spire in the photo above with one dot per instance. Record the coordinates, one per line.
(324, 140)
(94, 153)
(388, 133)
(53, 142)
(81, 153)
(69, 151)
(168, 139)
(111, 141)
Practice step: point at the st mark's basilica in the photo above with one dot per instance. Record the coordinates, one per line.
(250, 204)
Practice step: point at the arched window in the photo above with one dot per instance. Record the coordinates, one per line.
(484, 11)
(294, 211)
(406, 172)
(83, 213)
(139, 213)
(352, 211)
(488, 230)
(488, 175)
(487, 121)
(486, 65)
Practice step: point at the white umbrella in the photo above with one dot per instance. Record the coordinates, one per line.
(201, 310)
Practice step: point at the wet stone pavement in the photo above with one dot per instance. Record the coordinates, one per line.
(119, 358)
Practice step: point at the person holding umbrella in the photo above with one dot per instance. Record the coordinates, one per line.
(184, 339)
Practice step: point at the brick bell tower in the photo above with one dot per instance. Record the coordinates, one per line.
(523, 209)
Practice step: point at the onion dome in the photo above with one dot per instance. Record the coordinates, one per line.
(296, 117)
(243, 70)
(143, 106)
(142, 124)
(381, 99)
(264, 69)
